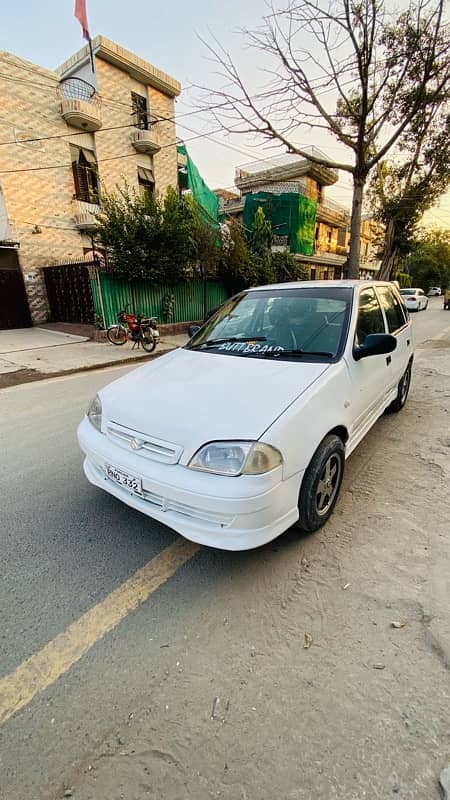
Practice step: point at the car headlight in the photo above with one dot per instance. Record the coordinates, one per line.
(94, 413)
(236, 458)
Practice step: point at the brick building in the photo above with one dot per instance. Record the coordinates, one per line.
(63, 134)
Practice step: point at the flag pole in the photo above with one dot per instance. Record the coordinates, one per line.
(81, 15)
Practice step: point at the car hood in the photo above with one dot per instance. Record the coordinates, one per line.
(189, 398)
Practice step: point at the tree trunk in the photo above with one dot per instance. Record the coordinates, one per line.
(355, 228)
(389, 252)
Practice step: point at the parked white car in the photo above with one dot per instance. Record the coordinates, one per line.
(245, 431)
(414, 299)
(434, 291)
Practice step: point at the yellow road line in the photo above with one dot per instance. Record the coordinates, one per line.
(42, 669)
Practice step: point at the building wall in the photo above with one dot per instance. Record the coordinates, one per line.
(312, 189)
(117, 158)
(165, 161)
(34, 196)
(40, 202)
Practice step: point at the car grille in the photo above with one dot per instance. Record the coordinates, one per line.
(143, 444)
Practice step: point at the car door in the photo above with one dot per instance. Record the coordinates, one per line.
(400, 327)
(369, 376)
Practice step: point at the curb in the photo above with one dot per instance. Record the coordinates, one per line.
(32, 376)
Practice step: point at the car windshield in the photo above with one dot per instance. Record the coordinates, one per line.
(309, 323)
(408, 291)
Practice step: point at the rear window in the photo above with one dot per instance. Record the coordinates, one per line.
(407, 291)
(392, 308)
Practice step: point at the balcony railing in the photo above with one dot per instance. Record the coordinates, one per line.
(287, 164)
(85, 215)
(80, 104)
(147, 140)
(335, 214)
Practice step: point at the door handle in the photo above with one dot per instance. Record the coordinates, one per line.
(388, 360)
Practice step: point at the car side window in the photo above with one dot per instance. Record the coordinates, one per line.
(370, 317)
(392, 308)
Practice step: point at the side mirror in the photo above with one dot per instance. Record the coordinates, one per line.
(192, 330)
(375, 344)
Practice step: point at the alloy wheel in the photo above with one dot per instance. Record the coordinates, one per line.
(328, 485)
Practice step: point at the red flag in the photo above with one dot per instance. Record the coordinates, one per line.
(81, 15)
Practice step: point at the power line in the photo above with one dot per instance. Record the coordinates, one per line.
(207, 135)
(100, 161)
(41, 225)
(124, 105)
(82, 133)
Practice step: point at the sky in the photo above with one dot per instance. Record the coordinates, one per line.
(168, 34)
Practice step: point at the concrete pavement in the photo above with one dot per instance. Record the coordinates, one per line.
(31, 353)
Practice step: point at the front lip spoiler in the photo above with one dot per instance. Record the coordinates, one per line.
(195, 530)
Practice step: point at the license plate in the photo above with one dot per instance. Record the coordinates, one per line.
(124, 479)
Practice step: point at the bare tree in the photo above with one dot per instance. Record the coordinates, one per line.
(340, 66)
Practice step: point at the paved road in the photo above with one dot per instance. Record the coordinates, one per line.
(65, 548)
(431, 322)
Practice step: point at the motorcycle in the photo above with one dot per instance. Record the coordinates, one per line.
(142, 331)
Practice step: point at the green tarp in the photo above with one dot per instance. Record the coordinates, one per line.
(293, 218)
(201, 193)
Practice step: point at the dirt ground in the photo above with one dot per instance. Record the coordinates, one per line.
(322, 670)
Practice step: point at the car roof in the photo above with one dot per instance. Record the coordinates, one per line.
(346, 284)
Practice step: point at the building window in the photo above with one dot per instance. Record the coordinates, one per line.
(313, 273)
(342, 237)
(319, 193)
(140, 110)
(146, 181)
(85, 174)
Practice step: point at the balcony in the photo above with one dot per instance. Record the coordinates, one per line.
(333, 213)
(288, 167)
(146, 141)
(80, 105)
(85, 216)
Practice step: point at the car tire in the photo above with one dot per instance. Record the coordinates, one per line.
(403, 390)
(321, 484)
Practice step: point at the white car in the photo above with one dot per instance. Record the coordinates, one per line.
(435, 291)
(243, 432)
(414, 299)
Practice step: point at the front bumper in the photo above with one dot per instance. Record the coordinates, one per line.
(228, 513)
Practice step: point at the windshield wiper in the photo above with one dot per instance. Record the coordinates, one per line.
(212, 342)
(295, 352)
